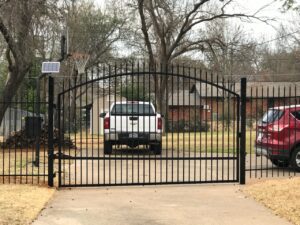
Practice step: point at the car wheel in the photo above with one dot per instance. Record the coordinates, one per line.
(156, 148)
(107, 147)
(280, 163)
(295, 159)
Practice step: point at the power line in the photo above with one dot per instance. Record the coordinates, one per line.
(271, 40)
(278, 38)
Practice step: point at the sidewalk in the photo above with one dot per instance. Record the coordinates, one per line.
(189, 204)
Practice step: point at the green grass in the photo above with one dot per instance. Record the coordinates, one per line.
(200, 141)
(206, 141)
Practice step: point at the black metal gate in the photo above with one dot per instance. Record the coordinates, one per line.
(138, 125)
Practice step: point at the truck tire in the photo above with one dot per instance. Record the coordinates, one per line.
(107, 148)
(156, 148)
(295, 159)
(280, 163)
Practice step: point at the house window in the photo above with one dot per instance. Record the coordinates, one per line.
(270, 102)
(296, 114)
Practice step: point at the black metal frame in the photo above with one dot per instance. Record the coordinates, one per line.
(221, 150)
(143, 76)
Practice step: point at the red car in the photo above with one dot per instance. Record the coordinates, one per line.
(278, 136)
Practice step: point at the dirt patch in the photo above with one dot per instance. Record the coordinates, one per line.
(280, 195)
(21, 204)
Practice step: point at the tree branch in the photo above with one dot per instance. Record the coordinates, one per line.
(145, 32)
(183, 30)
(9, 40)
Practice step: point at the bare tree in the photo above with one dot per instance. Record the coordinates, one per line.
(172, 28)
(92, 31)
(235, 55)
(19, 22)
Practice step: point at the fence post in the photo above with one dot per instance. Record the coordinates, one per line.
(38, 129)
(50, 131)
(243, 132)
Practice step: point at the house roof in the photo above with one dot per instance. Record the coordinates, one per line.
(184, 98)
(254, 89)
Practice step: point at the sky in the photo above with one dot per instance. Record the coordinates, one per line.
(273, 11)
(257, 29)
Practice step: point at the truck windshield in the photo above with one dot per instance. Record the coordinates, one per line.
(272, 115)
(132, 109)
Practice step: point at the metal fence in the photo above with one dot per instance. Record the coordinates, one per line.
(140, 124)
(273, 129)
(149, 125)
(23, 147)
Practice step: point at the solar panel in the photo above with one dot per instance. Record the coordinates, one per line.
(50, 67)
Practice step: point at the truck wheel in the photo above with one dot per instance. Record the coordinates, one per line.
(107, 148)
(280, 163)
(156, 148)
(295, 159)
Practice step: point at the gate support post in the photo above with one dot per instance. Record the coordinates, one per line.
(243, 132)
(50, 132)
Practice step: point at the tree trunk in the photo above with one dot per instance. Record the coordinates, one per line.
(73, 110)
(10, 90)
(161, 93)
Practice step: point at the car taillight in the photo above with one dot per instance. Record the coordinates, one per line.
(277, 128)
(159, 123)
(106, 123)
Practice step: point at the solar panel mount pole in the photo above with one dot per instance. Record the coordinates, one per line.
(50, 132)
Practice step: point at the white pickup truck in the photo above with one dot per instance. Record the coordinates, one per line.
(132, 123)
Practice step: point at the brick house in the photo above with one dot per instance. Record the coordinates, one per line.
(260, 97)
(185, 105)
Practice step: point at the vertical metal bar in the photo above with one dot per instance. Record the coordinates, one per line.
(138, 126)
(15, 129)
(21, 150)
(59, 141)
(256, 117)
(243, 131)
(150, 90)
(284, 108)
(184, 122)
(251, 128)
(108, 107)
(178, 116)
(267, 160)
(189, 113)
(50, 131)
(289, 130)
(115, 100)
(63, 128)
(37, 139)
(86, 129)
(109, 103)
(69, 128)
(91, 119)
(236, 144)
(98, 132)
(201, 106)
(195, 122)
(262, 102)
(211, 127)
(217, 135)
(223, 126)
(166, 120)
(122, 121)
(126, 130)
(144, 122)
(172, 121)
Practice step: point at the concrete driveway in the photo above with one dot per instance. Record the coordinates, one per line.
(189, 204)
